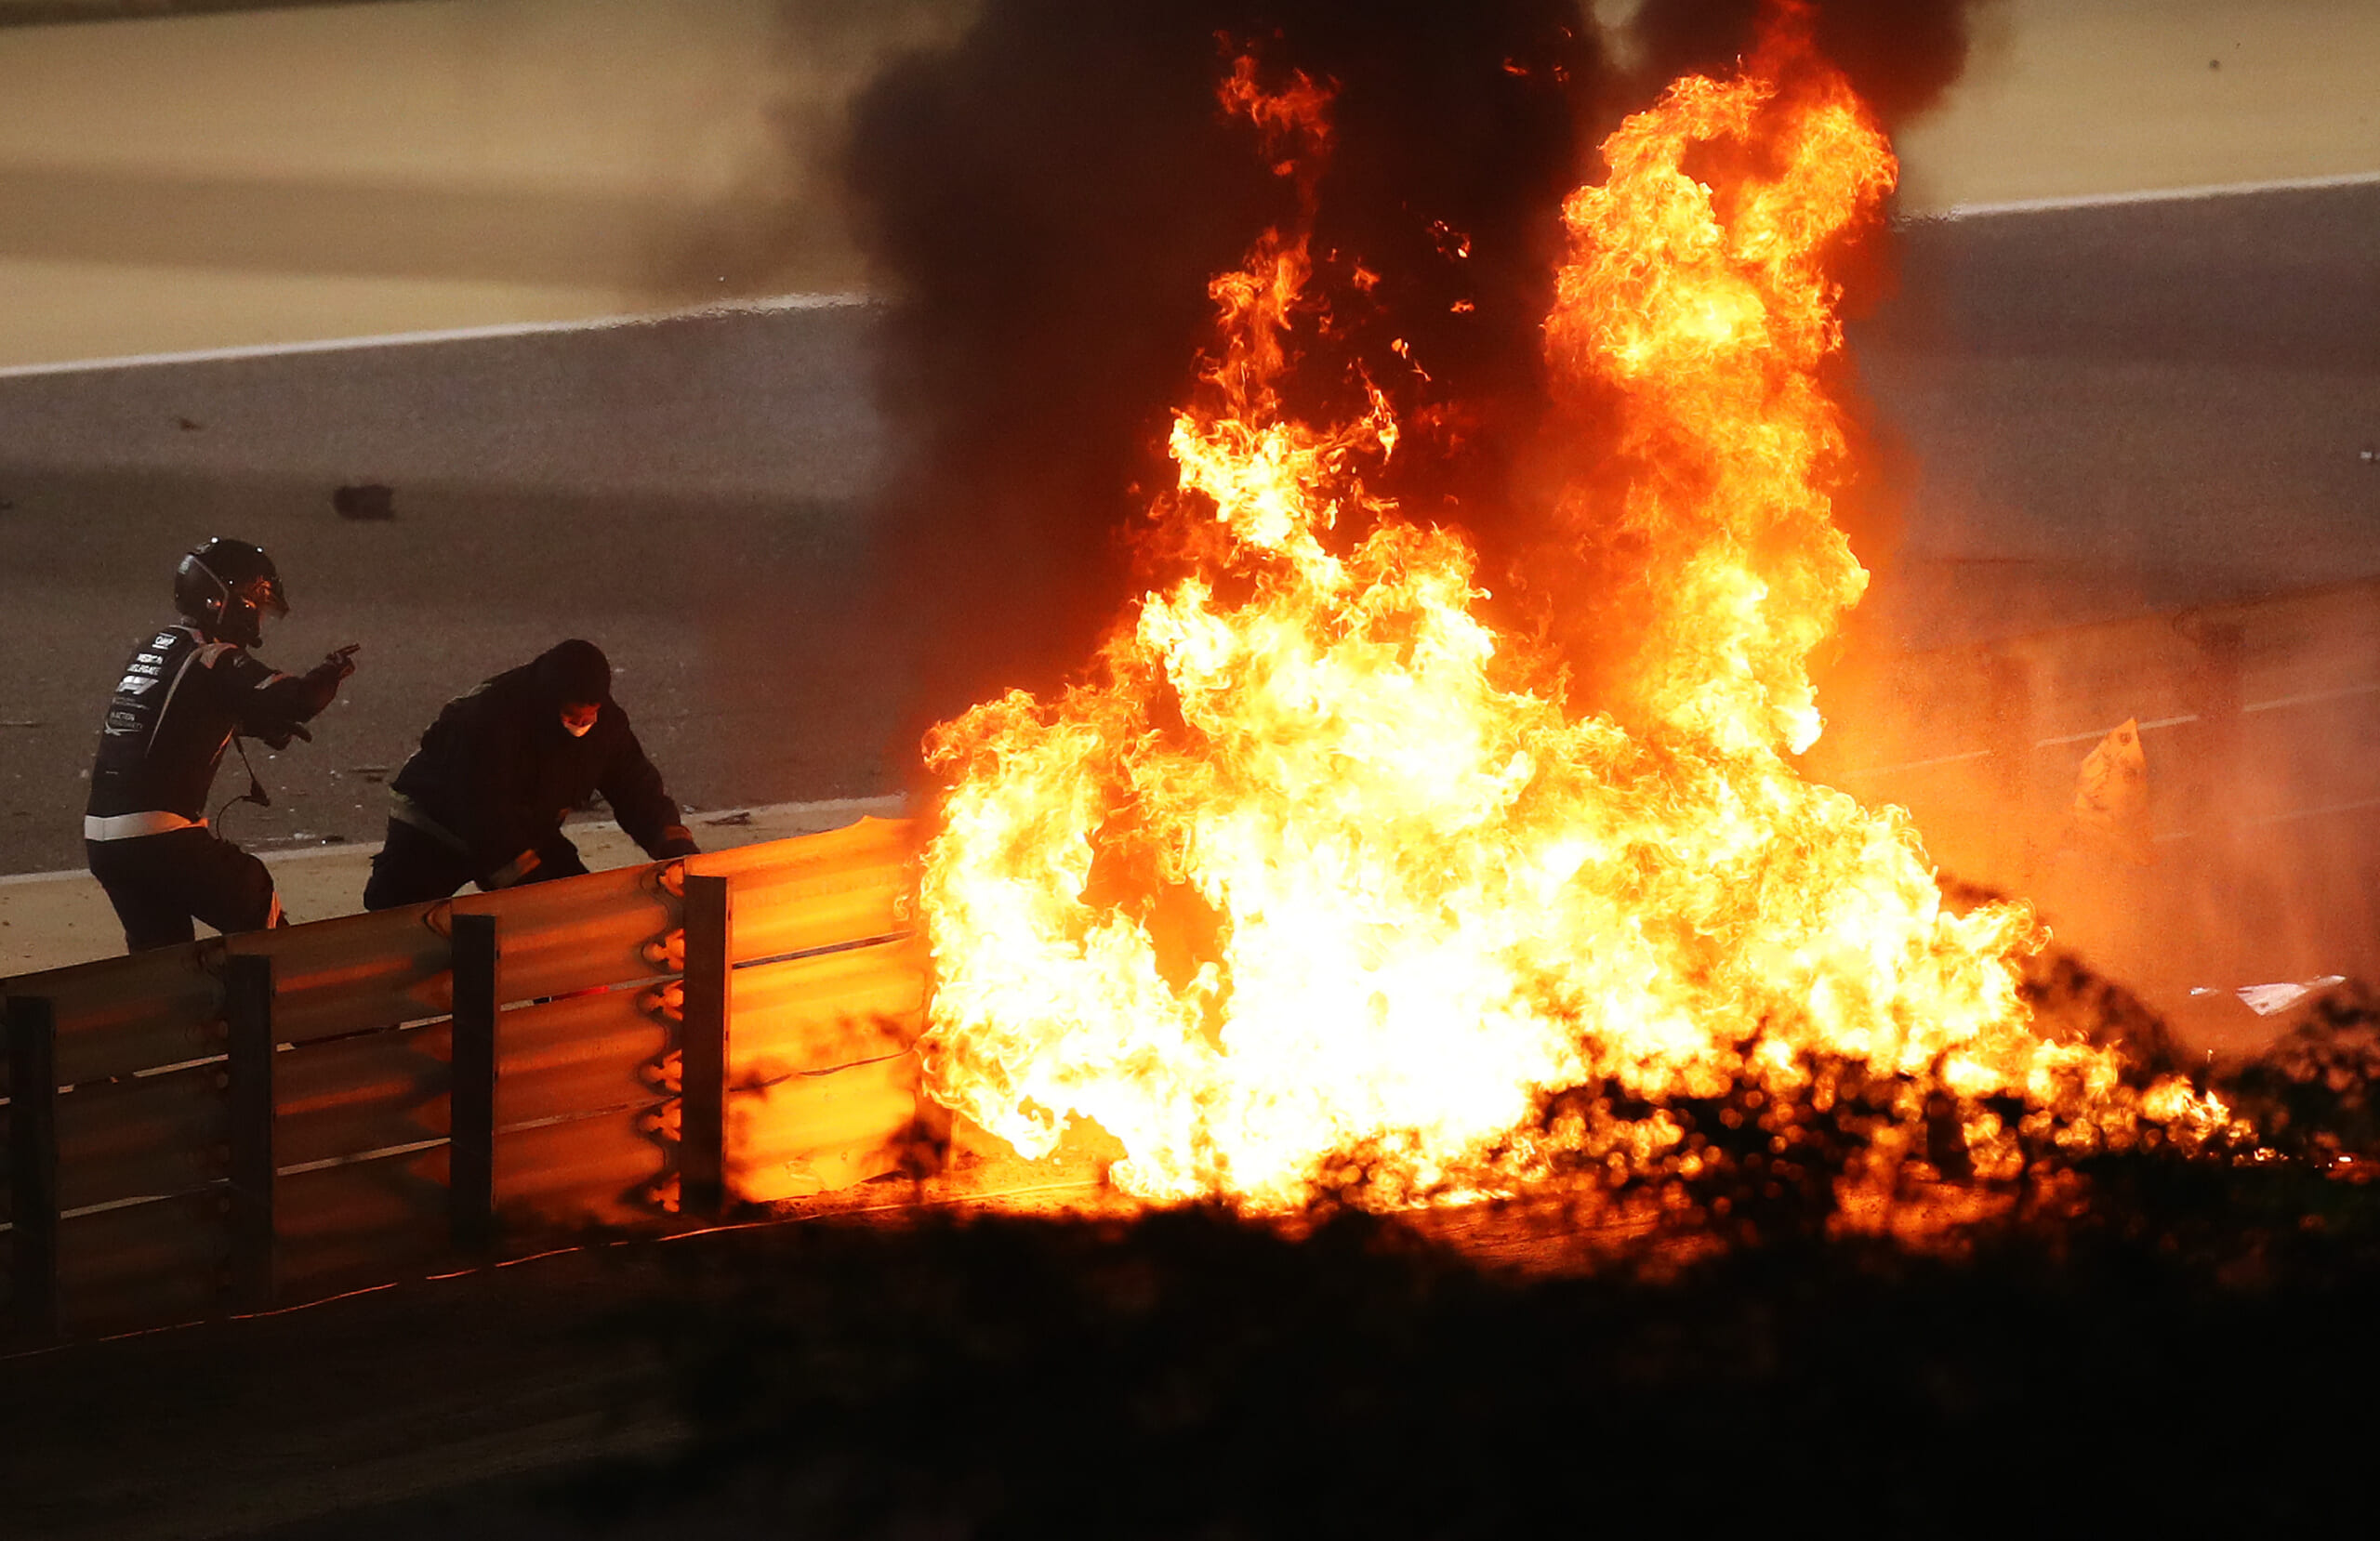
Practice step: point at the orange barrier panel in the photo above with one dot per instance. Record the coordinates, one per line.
(350, 974)
(608, 1169)
(377, 1219)
(125, 1014)
(584, 1118)
(579, 1055)
(365, 971)
(813, 1134)
(364, 1223)
(141, 1264)
(359, 972)
(357, 1095)
(820, 890)
(582, 1054)
(829, 1010)
(579, 933)
(139, 1139)
(354, 973)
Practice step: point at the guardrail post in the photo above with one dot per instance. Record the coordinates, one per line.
(702, 1048)
(247, 1011)
(32, 1162)
(478, 962)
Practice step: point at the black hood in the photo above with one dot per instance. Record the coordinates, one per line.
(573, 674)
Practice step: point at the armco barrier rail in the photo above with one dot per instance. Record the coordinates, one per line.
(2260, 723)
(280, 1115)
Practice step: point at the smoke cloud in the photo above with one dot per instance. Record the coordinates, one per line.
(1046, 201)
(1901, 56)
(1050, 200)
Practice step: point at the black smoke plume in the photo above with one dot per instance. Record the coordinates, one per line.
(1046, 201)
(1901, 56)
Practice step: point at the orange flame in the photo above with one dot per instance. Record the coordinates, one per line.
(1316, 866)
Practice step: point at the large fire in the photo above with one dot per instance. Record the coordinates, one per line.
(1318, 872)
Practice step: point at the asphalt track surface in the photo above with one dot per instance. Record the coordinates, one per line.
(687, 494)
(2099, 410)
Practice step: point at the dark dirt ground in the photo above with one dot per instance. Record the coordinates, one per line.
(2194, 1348)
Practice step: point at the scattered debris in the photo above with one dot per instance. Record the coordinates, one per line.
(2111, 796)
(22, 722)
(188, 425)
(2266, 999)
(369, 773)
(726, 820)
(2310, 1092)
(367, 500)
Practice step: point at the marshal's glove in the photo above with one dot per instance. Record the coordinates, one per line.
(336, 666)
(277, 736)
(676, 841)
(513, 871)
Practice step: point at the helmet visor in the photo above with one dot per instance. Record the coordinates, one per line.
(267, 595)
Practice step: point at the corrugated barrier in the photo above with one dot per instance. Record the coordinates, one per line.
(279, 1115)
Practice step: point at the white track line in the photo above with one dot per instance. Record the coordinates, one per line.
(458, 334)
(1920, 764)
(2102, 733)
(837, 301)
(2148, 196)
(2309, 698)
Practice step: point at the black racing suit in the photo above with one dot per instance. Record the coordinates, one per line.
(181, 698)
(482, 799)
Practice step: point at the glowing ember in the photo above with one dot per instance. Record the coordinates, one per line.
(1316, 870)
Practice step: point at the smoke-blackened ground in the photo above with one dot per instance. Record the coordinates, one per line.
(2190, 1345)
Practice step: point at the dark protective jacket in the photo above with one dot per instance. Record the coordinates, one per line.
(496, 774)
(181, 700)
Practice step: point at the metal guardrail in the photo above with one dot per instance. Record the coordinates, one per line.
(2256, 831)
(278, 1115)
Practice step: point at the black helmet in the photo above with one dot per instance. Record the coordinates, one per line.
(226, 585)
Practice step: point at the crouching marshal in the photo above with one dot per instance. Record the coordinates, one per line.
(483, 799)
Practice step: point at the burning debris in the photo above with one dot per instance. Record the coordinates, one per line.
(1320, 872)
